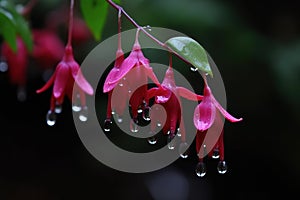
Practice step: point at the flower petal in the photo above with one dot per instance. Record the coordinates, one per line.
(204, 115)
(188, 94)
(48, 84)
(225, 113)
(61, 79)
(82, 83)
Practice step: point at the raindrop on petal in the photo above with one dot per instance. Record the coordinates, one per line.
(107, 124)
(222, 167)
(201, 169)
(83, 115)
(193, 69)
(171, 141)
(21, 93)
(152, 140)
(215, 154)
(76, 105)
(183, 150)
(51, 118)
(58, 108)
(3, 66)
(119, 118)
(134, 128)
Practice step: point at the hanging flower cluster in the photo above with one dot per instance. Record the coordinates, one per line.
(127, 85)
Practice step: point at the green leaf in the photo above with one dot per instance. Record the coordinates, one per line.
(8, 29)
(94, 13)
(117, 1)
(191, 51)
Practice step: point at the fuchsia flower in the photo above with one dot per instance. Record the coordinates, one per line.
(126, 76)
(47, 48)
(17, 65)
(67, 75)
(168, 95)
(208, 116)
(17, 62)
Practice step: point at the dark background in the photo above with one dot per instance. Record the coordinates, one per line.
(256, 46)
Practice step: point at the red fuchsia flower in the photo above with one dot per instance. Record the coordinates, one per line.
(168, 95)
(47, 48)
(17, 65)
(129, 75)
(66, 76)
(208, 119)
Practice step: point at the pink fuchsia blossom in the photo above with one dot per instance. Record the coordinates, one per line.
(17, 62)
(47, 48)
(168, 95)
(128, 80)
(67, 79)
(208, 120)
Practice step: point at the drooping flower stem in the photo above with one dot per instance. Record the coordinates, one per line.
(121, 10)
(70, 27)
(28, 8)
(119, 30)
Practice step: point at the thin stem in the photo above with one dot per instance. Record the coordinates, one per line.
(28, 8)
(119, 30)
(170, 60)
(70, 24)
(120, 9)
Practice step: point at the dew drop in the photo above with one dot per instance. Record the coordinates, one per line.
(148, 27)
(107, 124)
(134, 128)
(58, 108)
(76, 106)
(140, 110)
(119, 118)
(113, 112)
(83, 115)
(158, 124)
(146, 114)
(193, 69)
(152, 140)
(183, 150)
(21, 93)
(222, 167)
(129, 91)
(51, 118)
(178, 132)
(121, 84)
(3, 66)
(171, 141)
(215, 154)
(201, 169)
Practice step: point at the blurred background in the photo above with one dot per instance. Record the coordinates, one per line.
(256, 46)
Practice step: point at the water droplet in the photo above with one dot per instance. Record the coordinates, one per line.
(183, 150)
(171, 141)
(140, 110)
(119, 118)
(129, 91)
(121, 84)
(83, 115)
(201, 169)
(206, 74)
(178, 132)
(193, 69)
(107, 124)
(222, 167)
(152, 140)
(148, 27)
(58, 108)
(134, 128)
(21, 93)
(146, 114)
(158, 124)
(76, 105)
(51, 118)
(215, 154)
(113, 112)
(3, 66)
